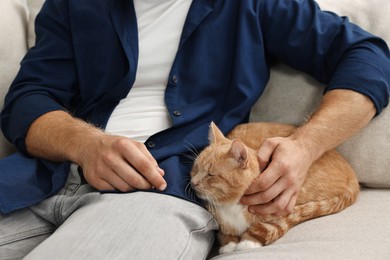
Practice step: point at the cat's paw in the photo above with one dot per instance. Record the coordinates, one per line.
(228, 248)
(246, 245)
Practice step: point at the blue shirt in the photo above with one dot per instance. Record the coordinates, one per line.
(85, 61)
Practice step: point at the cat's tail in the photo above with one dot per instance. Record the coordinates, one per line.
(267, 232)
(321, 208)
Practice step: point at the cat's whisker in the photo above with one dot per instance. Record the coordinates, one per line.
(189, 190)
(188, 156)
(192, 149)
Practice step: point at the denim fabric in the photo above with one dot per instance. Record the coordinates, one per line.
(92, 225)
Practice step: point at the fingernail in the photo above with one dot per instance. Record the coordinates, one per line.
(162, 187)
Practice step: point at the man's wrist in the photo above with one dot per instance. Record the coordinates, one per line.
(309, 139)
(83, 142)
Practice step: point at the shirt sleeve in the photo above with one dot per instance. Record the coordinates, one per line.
(47, 78)
(328, 47)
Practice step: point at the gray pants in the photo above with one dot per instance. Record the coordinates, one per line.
(80, 223)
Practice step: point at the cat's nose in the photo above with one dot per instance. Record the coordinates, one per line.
(194, 183)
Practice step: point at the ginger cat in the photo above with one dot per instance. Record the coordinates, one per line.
(224, 170)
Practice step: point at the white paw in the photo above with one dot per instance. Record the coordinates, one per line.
(228, 248)
(246, 245)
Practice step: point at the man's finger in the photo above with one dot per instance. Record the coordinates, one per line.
(127, 173)
(117, 182)
(139, 159)
(274, 207)
(266, 196)
(264, 154)
(265, 180)
(151, 158)
(102, 185)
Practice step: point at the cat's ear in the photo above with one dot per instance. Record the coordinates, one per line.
(240, 153)
(215, 135)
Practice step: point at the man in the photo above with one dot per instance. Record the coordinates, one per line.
(154, 74)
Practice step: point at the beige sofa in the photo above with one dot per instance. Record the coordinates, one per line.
(359, 232)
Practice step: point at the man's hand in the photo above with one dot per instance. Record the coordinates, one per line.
(341, 114)
(108, 162)
(284, 163)
(116, 162)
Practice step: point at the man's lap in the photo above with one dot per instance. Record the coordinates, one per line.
(111, 228)
(142, 225)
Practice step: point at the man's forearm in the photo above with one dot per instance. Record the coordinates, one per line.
(58, 136)
(340, 115)
(109, 162)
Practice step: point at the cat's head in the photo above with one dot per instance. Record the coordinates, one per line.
(223, 170)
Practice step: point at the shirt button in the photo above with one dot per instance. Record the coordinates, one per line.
(175, 79)
(177, 113)
(151, 144)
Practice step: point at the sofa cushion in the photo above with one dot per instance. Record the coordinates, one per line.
(33, 6)
(13, 46)
(16, 34)
(291, 97)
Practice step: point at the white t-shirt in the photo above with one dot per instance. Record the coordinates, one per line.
(143, 112)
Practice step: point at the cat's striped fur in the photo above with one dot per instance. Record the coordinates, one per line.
(225, 169)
